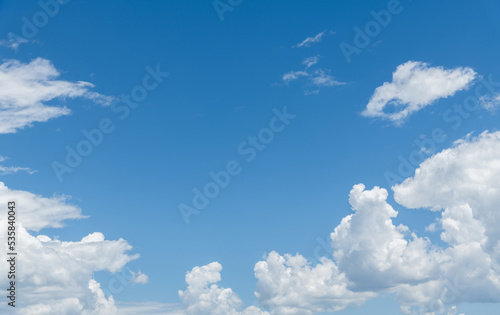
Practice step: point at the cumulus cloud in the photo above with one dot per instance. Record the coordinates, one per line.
(139, 277)
(462, 183)
(291, 285)
(311, 40)
(373, 252)
(57, 276)
(372, 255)
(27, 88)
(202, 296)
(414, 86)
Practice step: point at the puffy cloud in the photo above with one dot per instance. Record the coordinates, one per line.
(290, 285)
(372, 255)
(203, 296)
(311, 40)
(373, 252)
(462, 183)
(57, 276)
(462, 180)
(26, 89)
(40, 212)
(414, 86)
(139, 277)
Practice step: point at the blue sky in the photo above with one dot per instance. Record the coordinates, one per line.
(225, 79)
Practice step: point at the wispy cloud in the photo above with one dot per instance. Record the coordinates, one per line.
(6, 170)
(14, 41)
(26, 89)
(321, 78)
(310, 61)
(149, 308)
(294, 75)
(311, 40)
(490, 102)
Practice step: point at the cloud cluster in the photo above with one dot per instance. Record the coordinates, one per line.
(290, 285)
(317, 78)
(57, 276)
(372, 255)
(203, 296)
(414, 86)
(27, 88)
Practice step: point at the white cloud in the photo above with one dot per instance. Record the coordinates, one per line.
(290, 285)
(462, 180)
(294, 75)
(310, 61)
(311, 40)
(6, 170)
(414, 86)
(40, 212)
(372, 255)
(373, 252)
(202, 296)
(149, 308)
(56, 276)
(14, 41)
(490, 102)
(139, 277)
(321, 78)
(27, 88)
(462, 183)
